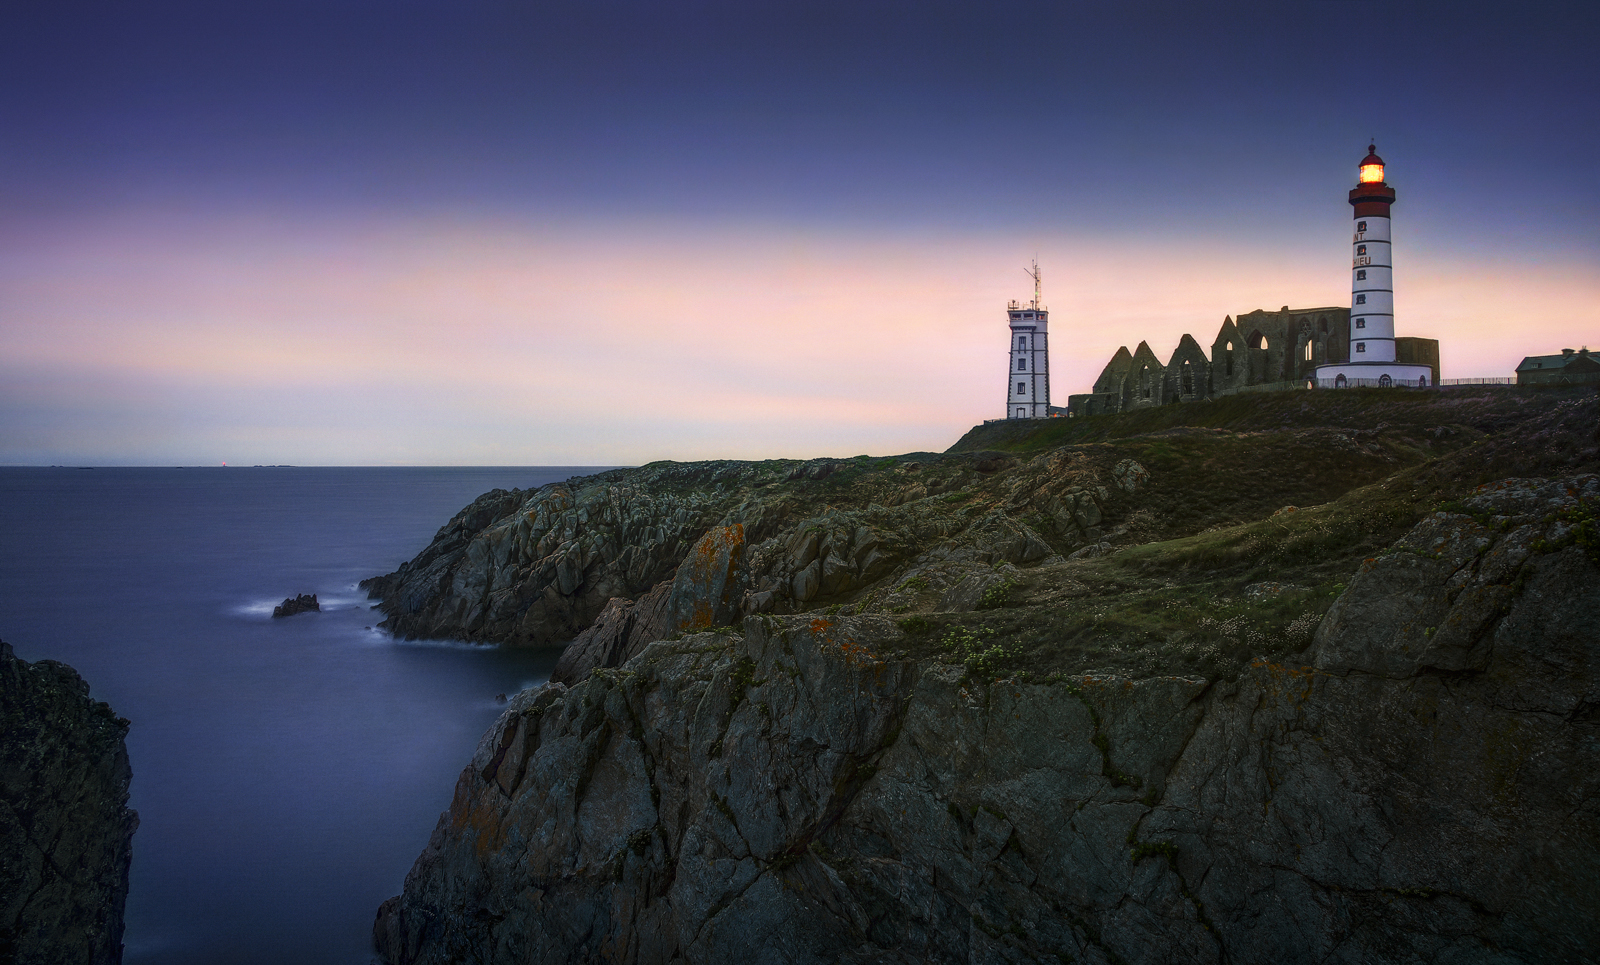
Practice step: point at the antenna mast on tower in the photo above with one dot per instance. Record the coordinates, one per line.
(1034, 274)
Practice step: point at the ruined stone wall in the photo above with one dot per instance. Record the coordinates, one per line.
(1258, 351)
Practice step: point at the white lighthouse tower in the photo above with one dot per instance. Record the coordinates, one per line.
(1028, 395)
(1372, 356)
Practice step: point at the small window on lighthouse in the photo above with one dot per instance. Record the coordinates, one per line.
(1022, 341)
(1022, 364)
(1361, 323)
(1361, 275)
(1361, 346)
(1361, 249)
(1361, 299)
(1022, 388)
(1361, 226)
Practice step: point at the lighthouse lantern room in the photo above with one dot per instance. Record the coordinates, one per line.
(1028, 394)
(1372, 354)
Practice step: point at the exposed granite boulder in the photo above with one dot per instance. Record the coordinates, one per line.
(795, 793)
(1430, 603)
(66, 831)
(707, 591)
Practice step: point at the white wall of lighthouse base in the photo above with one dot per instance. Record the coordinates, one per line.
(1368, 373)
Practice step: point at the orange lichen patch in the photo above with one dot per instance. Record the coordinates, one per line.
(856, 655)
(485, 818)
(703, 616)
(712, 564)
(1295, 683)
(821, 626)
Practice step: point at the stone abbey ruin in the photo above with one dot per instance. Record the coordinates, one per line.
(1258, 352)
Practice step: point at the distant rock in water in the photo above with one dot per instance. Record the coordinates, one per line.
(66, 832)
(304, 603)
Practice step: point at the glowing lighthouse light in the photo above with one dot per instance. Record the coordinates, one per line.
(1372, 339)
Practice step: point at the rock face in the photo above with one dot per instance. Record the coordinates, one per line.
(542, 567)
(1423, 786)
(539, 567)
(66, 832)
(705, 592)
(304, 603)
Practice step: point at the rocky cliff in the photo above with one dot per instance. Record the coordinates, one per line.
(925, 532)
(1425, 787)
(1290, 693)
(66, 831)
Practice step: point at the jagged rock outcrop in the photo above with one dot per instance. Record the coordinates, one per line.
(66, 831)
(705, 592)
(304, 603)
(1423, 786)
(544, 566)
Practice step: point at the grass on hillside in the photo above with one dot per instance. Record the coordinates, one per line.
(1178, 606)
(1485, 408)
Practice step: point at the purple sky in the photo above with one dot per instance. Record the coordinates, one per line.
(512, 233)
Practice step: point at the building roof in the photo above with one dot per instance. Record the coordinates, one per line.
(1534, 363)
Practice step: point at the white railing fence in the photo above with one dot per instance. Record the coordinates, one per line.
(1381, 383)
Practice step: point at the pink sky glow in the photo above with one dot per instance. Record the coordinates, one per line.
(138, 340)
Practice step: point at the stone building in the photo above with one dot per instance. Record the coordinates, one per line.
(1256, 351)
(1570, 367)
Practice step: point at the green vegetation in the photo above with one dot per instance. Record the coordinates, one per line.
(1296, 489)
(915, 626)
(996, 596)
(1471, 409)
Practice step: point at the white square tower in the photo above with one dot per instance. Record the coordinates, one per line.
(1028, 395)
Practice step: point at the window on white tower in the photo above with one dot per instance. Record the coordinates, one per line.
(1022, 342)
(1361, 226)
(1022, 365)
(1361, 249)
(1361, 299)
(1361, 275)
(1022, 388)
(1361, 346)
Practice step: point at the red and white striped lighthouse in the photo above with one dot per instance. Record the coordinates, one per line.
(1372, 356)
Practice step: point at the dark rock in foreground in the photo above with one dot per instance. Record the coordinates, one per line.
(304, 603)
(1423, 785)
(66, 831)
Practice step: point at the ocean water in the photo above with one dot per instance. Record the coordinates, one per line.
(286, 772)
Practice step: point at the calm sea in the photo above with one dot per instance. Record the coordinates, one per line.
(286, 772)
